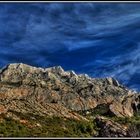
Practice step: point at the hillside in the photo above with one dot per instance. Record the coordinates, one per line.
(53, 102)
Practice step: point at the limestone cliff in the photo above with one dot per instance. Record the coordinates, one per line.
(53, 91)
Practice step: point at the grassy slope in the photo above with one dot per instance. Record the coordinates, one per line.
(49, 127)
(55, 127)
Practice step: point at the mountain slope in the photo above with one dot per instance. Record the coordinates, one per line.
(54, 92)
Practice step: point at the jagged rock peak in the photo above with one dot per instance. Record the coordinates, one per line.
(65, 88)
(55, 69)
(24, 67)
(112, 81)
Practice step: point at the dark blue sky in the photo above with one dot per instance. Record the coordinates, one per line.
(100, 39)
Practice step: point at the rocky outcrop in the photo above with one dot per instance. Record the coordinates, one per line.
(110, 128)
(53, 91)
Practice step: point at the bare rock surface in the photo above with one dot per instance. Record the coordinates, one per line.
(53, 91)
(110, 128)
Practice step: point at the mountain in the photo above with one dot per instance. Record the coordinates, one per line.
(38, 93)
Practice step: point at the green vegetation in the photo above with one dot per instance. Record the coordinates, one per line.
(47, 127)
(12, 128)
(127, 120)
(31, 125)
(131, 123)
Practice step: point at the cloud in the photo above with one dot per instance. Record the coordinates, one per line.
(101, 39)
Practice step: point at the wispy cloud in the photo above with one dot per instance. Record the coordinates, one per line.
(101, 39)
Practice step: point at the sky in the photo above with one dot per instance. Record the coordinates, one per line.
(99, 39)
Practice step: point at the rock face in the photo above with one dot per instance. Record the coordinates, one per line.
(110, 128)
(52, 91)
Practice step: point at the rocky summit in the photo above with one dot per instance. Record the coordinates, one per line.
(53, 92)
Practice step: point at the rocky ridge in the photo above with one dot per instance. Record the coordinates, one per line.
(55, 92)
